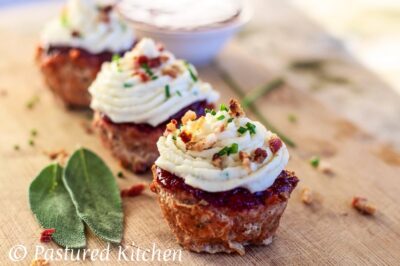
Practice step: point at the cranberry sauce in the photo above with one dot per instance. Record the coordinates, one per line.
(235, 199)
(197, 107)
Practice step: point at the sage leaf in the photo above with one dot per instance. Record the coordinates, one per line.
(95, 194)
(53, 208)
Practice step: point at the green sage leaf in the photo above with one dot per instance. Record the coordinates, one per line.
(52, 205)
(95, 194)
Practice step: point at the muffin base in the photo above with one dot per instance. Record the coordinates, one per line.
(202, 226)
(68, 72)
(134, 145)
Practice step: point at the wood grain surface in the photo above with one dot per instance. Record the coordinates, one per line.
(329, 232)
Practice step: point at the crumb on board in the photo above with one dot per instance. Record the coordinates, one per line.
(325, 168)
(87, 126)
(307, 196)
(31, 103)
(363, 206)
(39, 262)
(120, 174)
(133, 191)
(60, 155)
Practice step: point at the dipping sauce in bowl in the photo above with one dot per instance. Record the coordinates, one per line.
(194, 30)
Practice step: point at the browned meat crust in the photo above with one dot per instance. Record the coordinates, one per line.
(134, 145)
(68, 72)
(211, 227)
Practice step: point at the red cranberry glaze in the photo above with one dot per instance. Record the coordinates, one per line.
(236, 199)
(197, 107)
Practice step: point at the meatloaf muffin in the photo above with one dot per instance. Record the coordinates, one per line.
(135, 96)
(221, 181)
(75, 45)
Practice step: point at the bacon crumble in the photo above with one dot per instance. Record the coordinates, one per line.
(259, 155)
(217, 160)
(171, 71)
(275, 144)
(244, 157)
(188, 116)
(307, 196)
(235, 109)
(363, 206)
(171, 127)
(185, 137)
(133, 191)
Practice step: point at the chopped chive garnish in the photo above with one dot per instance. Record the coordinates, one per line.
(223, 107)
(292, 118)
(213, 112)
(64, 19)
(251, 127)
(233, 148)
(314, 161)
(128, 85)
(34, 132)
(174, 138)
(192, 75)
(167, 92)
(120, 174)
(148, 71)
(242, 130)
(207, 110)
(230, 119)
(221, 117)
(179, 93)
(116, 57)
(229, 150)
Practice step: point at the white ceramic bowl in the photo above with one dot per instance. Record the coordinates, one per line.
(200, 46)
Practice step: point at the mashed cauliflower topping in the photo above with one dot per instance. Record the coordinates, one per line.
(148, 85)
(88, 25)
(222, 150)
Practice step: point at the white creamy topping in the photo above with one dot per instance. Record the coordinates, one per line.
(181, 14)
(196, 167)
(89, 25)
(120, 92)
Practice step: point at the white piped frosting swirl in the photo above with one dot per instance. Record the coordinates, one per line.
(88, 25)
(148, 85)
(224, 152)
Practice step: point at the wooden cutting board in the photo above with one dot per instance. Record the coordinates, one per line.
(329, 232)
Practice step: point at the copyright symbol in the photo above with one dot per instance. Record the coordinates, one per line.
(17, 253)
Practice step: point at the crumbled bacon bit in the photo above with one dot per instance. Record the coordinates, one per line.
(186, 137)
(39, 262)
(164, 58)
(275, 144)
(202, 144)
(325, 168)
(188, 116)
(60, 155)
(142, 59)
(154, 62)
(259, 155)
(171, 71)
(171, 127)
(217, 160)
(143, 76)
(75, 34)
(160, 47)
(87, 127)
(307, 196)
(235, 109)
(244, 157)
(74, 53)
(133, 191)
(363, 206)
(45, 236)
